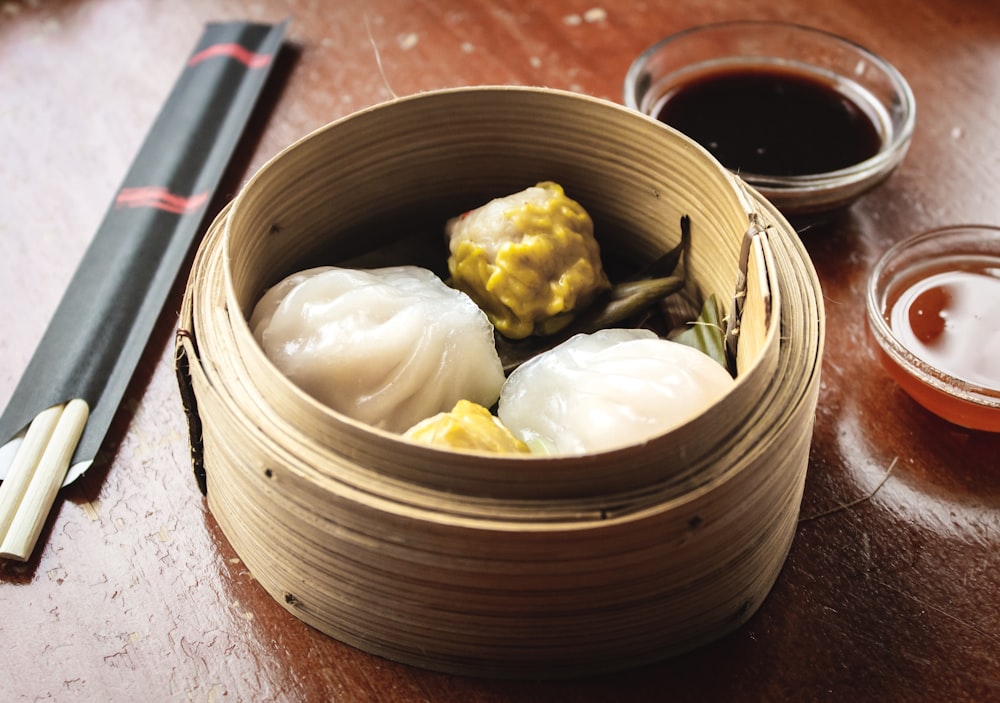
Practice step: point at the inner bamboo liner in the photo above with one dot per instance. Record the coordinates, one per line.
(487, 565)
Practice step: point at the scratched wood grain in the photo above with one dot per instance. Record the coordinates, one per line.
(134, 592)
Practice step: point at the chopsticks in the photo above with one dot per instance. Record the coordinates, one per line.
(36, 474)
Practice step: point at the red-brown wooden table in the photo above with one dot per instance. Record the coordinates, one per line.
(134, 593)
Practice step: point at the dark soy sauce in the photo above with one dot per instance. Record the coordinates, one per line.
(771, 121)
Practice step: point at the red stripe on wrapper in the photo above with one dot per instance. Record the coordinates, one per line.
(159, 198)
(234, 51)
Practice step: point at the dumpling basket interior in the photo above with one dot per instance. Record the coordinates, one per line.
(503, 566)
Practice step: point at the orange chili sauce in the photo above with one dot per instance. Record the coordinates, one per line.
(947, 314)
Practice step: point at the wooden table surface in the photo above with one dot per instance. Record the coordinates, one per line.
(134, 593)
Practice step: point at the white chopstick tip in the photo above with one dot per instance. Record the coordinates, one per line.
(41, 462)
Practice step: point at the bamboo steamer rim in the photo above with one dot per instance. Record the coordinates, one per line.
(573, 512)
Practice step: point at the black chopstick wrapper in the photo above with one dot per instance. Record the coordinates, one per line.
(103, 322)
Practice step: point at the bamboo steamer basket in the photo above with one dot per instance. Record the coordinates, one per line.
(503, 566)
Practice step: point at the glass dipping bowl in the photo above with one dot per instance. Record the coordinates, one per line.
(870, 81)
(911, 265)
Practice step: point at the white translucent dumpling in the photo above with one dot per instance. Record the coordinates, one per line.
(388, 347)
(608, 389)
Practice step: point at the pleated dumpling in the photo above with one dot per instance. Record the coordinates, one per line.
(388, 347)
(608, 389)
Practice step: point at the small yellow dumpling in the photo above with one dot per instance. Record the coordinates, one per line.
(529, 260)
(468, 426)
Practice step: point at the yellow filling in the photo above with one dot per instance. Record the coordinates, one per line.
(468, 426)
(535, 281)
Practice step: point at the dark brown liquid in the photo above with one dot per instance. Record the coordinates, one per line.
(772, 122)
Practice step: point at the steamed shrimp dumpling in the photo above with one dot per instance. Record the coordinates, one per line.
(608, 389)
(388, 347)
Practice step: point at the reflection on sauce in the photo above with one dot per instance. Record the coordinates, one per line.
(948, 316)
(771, 121)
(951, 320)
